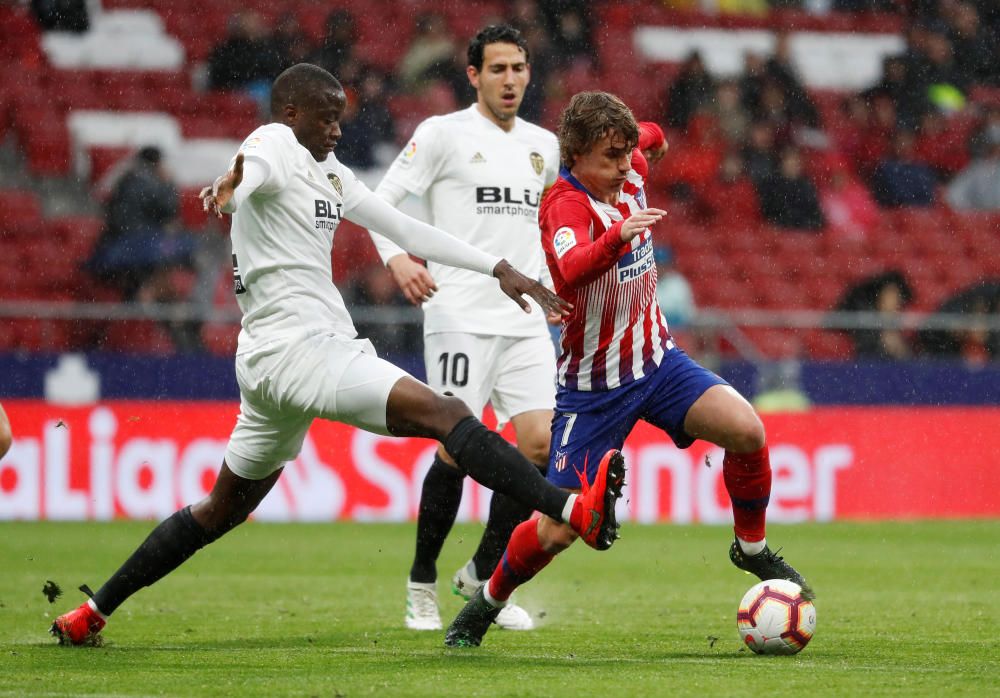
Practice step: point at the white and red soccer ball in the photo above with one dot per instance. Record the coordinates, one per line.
(774, 618)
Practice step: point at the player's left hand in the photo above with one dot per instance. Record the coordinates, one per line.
(215, 197)
(654, 155)
(516, 285)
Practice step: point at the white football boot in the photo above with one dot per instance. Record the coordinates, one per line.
(422, 606)
(511, 616)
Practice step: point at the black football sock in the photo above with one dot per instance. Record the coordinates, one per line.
(439, 501)
(505, 515)
(172, 542)
(491, 461)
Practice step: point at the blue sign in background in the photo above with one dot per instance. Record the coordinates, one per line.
(205, 377)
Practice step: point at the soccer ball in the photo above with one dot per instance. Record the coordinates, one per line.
(774, 618)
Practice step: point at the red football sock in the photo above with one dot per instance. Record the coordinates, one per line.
(523, 559)
(748, 481)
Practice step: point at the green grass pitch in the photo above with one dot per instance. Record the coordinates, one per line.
(904, 609)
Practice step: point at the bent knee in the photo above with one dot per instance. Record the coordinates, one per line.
(537, 451)
(748, 436)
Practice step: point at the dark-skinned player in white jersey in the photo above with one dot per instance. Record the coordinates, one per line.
(299, 357)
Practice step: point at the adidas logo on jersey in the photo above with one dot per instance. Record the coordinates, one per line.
(477, 159)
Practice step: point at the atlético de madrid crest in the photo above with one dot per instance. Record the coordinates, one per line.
(335, 182)
(537, 162)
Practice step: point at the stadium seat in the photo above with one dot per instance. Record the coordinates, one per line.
(828, 345)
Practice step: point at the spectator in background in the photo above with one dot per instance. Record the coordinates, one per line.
(935, 73)
(338, 42)
(526, 17)
(789, 199)
(730, 197)
(289, 42)
(142, 244)
(733, 119)
(245, 59)
(976, 49)
(61, 15)
(431, 55)
(759, 160)
(367, 122)
(693, 89)
(895, 85)
(848, 131)
(887, 294)
(848, 207)
(673, 292)
(752, 81)
(569, 27)
(939, 146)
(876, 139)
(977, 187)
(773, 108)
(902, 180)
(976, 345)
(779, 70)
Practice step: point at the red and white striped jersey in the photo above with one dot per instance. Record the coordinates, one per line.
(616, 333)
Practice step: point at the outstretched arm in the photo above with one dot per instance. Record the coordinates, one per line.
(215, 198)
(412, 278)
(438, 246)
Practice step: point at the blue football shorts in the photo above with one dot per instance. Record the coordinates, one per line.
(588, 424)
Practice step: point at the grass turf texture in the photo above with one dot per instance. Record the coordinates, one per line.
(903, 609)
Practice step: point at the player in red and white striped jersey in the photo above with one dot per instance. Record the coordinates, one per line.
(618, 363)
(616, 333)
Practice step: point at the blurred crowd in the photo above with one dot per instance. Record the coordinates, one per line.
(911, 139)
(252, 54)
(756, 147)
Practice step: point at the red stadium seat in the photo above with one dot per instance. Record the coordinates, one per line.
(828, 345)
(20, 209)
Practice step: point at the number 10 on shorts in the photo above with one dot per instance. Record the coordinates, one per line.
(458, 365)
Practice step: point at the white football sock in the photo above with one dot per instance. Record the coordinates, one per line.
(752, 548)
(567, 511)
(95, 609)
(489, 599)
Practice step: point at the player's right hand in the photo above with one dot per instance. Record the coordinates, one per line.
(515, 285)
(414, 280)
(639, 221)
(215, 197)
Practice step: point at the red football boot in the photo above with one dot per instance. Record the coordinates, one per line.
(595, 519)
(79, 626)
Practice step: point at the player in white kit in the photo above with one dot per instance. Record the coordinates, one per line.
(482, 172)
(299, 357)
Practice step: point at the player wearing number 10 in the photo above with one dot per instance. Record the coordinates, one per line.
(483, 171)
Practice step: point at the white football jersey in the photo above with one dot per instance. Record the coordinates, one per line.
(282, 236)
(483, 185)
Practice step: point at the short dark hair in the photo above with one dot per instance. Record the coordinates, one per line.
(494, 34)
(588, 118)
(299, 84)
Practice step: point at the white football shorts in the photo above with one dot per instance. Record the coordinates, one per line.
(516, 374)
(284, 386)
